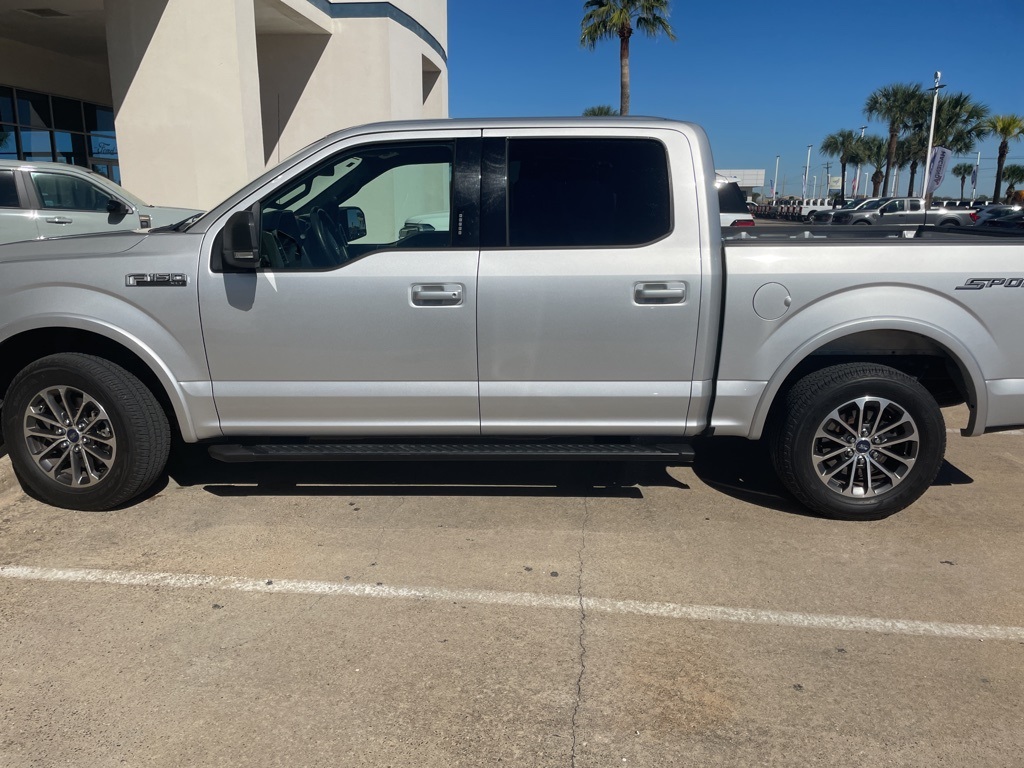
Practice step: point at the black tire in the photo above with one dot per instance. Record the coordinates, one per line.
(862, 221)
(858, 478)
(949, 223)
(120, 430)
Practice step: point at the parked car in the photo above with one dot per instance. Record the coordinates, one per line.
(995, 212)
(867, 203)
(1013, 220)
(42, 199)
(906, 211)
(732, 205)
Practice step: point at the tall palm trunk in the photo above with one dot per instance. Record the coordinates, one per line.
(876, 183)
(913, 174)
(1004, 150)
(624, 35)
(890, 157)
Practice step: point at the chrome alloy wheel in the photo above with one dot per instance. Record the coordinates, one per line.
(865, 447)
(70, 436)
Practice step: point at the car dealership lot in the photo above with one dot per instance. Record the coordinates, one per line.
(436, 615)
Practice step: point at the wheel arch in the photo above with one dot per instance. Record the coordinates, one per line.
(66, 335)
(942, 363)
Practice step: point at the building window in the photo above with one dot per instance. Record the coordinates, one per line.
(38, 126)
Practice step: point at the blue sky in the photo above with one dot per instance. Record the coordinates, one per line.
(764, 79)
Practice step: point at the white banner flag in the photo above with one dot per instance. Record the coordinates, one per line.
(940, 161)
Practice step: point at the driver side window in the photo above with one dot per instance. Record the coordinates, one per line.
(371, 198)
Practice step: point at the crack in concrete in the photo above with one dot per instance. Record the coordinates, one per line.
(582, 635)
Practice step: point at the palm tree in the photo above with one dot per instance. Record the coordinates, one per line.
(962, 171)
(902, 106)
(1008, 128)
(874, 150)
(601, 110)
(843, 144)
(608, 19)
(1012, 175)
(911, 152)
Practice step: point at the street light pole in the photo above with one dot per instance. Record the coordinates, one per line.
(807, 171)
(775, 183)
(931, 138)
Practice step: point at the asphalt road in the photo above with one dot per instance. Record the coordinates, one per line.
(438, 615)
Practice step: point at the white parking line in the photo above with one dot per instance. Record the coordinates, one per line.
(517, 599)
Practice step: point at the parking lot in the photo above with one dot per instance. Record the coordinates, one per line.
(522, 615)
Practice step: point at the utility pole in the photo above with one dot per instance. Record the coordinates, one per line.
(827, 166)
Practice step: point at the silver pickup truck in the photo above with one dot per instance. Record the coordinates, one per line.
(581, 304)
(906, 211)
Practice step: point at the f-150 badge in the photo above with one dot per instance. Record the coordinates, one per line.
(156, 279)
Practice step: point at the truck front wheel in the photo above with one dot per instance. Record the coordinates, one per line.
(84, 433)
(858, 441)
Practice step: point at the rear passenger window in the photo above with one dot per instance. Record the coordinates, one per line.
(587, 192)
(8, 192)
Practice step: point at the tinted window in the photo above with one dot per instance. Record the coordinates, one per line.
(730, 198)
(59, 191)
(8, 192)
(587, 192)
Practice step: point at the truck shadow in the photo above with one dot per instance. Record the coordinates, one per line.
(743, 470)
(735, 467)
(192, 466)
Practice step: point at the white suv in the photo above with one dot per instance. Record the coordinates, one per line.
(41, 199)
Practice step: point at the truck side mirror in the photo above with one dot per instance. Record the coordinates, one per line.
(353, 221)
(116, 208)
(239, 249)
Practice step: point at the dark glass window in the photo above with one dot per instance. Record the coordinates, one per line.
(99, 118)
(102, 146)
(67, 115)
(8, 192)
(37, 126)
(587, 192)
(8, 143)
(35, 145)
(60, 191)
(6, 105)
(34, 110)
(70, 148)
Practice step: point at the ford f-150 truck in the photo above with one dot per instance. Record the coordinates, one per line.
(581, 304)
(906, 210)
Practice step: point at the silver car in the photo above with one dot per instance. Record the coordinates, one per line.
(42, 199)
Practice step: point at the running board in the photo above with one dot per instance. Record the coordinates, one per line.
(674, 453)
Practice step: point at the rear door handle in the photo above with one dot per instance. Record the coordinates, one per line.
(437, 294)
(58, 220)
(659, 293)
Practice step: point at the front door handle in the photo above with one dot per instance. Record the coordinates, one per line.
(659, 293)
(437, 294)
(58, 220)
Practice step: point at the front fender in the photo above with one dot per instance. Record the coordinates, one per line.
(171, 346)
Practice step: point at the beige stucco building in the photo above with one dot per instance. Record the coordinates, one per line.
(182, 101)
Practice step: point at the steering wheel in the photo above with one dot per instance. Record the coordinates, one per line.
(328, 237)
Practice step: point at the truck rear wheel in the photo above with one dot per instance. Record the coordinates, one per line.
(84, 433)
(858, 441)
